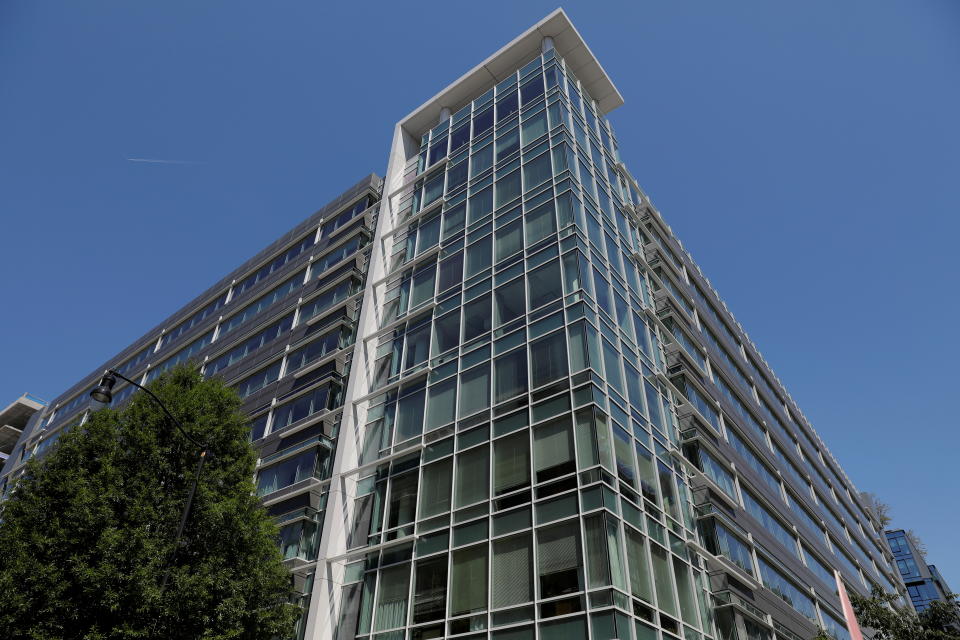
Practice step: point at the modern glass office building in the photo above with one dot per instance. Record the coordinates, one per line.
(924, 582)
(496, 398)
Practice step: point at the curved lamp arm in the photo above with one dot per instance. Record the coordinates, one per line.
(104, 393)
(106, 387)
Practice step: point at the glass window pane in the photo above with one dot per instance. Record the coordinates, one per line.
(403, 499)
(548, 359)
(416, 347)
(468, 583)
(667, 491)
(453, 220)
(472, 476)
(512, 580)
(435, 489)
(511, 463)
(533, 127)
(352, 597)
(532, 89)
(507, 106)
(541, 222)
(410, 415)
(480, 205)
(288, 472)
(537, 171)
(433, 188)
(366, 604)
(611, 362)
(474, 390)
(648, 473)
(623, 452)
(441, 403)
(602, 291)
(510, 373)
(558, 566)
(579, 356)
(615, 553)
(450, 272)
(430, 590)
(638, 566)
(456, 176)
(460, 137)
(482, 121)
(553, 449)
(392, 599)
(476, 317)
(508, 188)
(604, 559)
(688, 606)
(653, 405)
(428, 234)
(438, 150)
(509, 302)
(662, 580)
(301, 407)
(478, 256)
(545, 284)
(507, 144)
(446, 334)
(481, 160)
(566, 629)
(509, 240)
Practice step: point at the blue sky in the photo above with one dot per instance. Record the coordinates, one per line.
(805, 153)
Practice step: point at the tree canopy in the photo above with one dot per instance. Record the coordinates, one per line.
(889, 621)
(88, 532)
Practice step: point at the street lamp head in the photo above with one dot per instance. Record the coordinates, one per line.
(104, 391)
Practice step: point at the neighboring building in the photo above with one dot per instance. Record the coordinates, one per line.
(280, 329)
(548, 425)
(924, 582)
(14, 419)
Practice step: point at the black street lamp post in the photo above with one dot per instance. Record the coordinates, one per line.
(104, 393)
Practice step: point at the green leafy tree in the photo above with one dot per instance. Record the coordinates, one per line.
(88, 533)
(822, 635)
(888, 621)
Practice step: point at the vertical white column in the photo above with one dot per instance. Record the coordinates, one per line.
(338, 519)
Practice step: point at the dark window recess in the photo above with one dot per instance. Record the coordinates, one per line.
(332, 225)
(483, 121)
(326, 371)
(260, 274)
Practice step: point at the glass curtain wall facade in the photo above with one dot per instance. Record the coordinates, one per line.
(560, 430)
(279, 329)
(519, 445)
(524, 408)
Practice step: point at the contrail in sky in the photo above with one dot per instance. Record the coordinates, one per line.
(160, 161)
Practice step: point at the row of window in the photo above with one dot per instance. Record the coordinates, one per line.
(724, 479)
(140, 359)
(519, 91)
(771, 419)
(786, 463)
(553, 564)
(721, 540)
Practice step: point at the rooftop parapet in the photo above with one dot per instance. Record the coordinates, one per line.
(568, 44)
